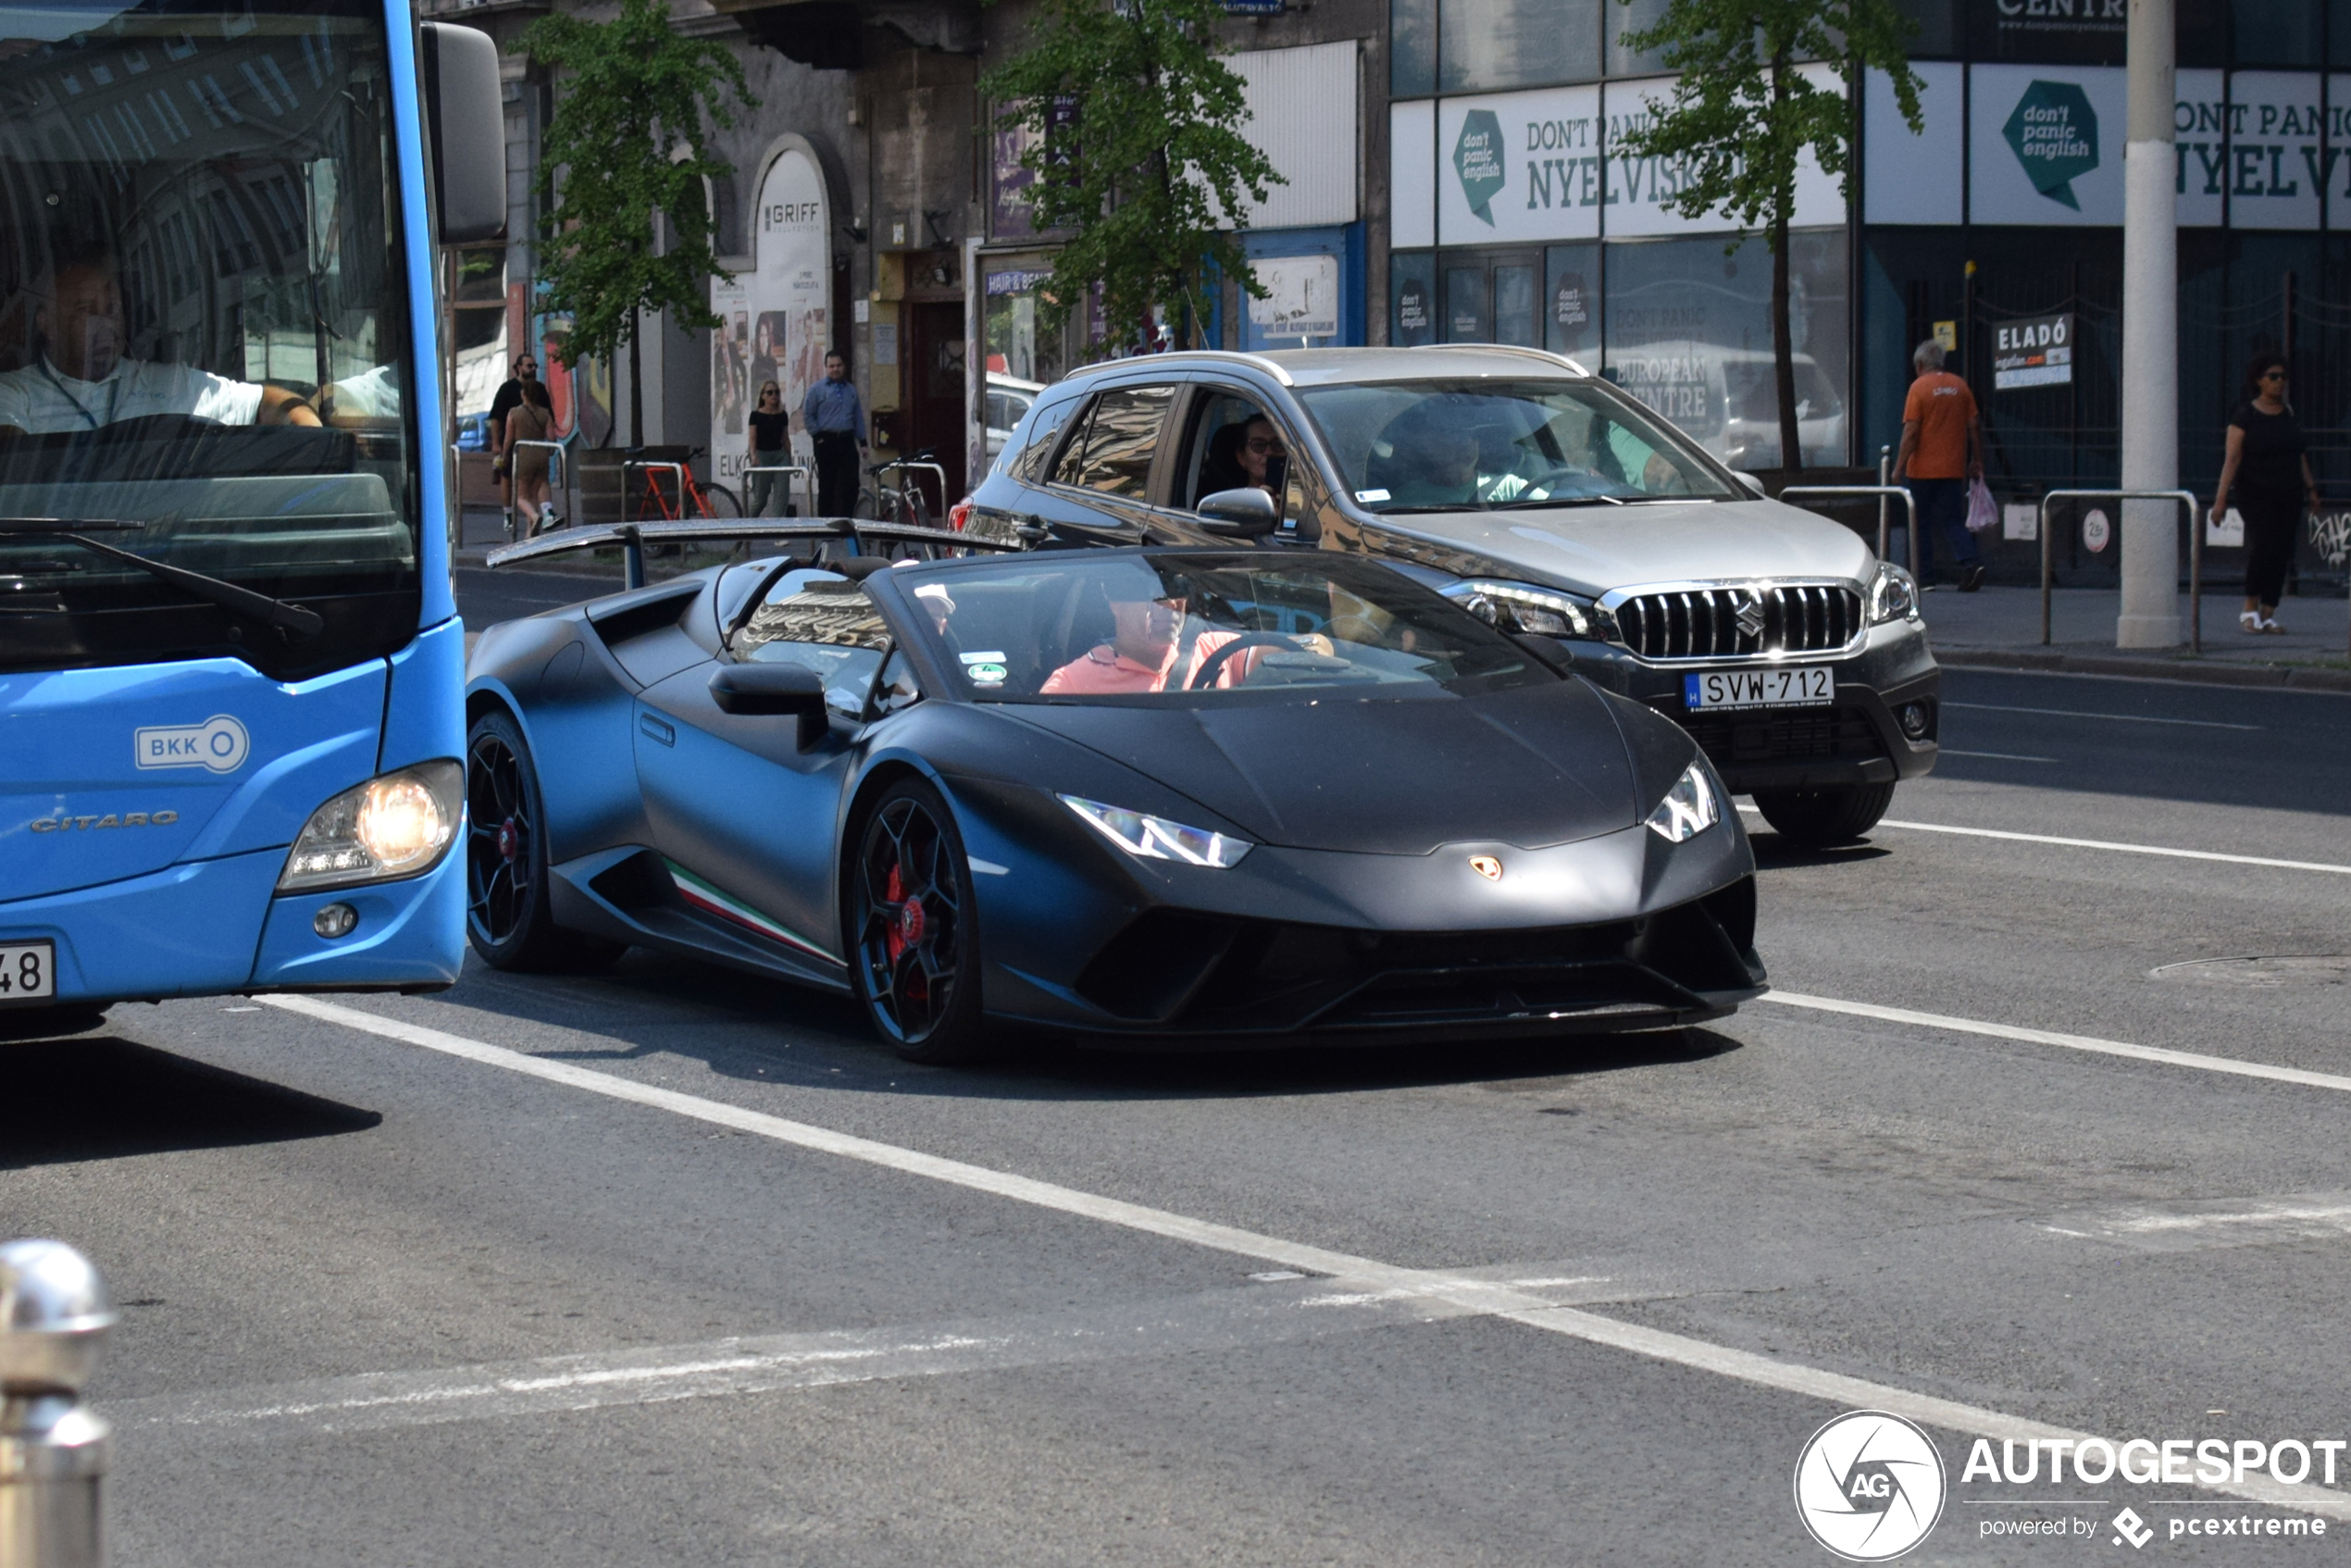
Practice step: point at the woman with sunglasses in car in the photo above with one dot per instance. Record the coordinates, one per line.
(2268, 471)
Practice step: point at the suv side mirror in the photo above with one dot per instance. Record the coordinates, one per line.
(1247, 513)
(465, 122)
(774, 689)
(1750, 482)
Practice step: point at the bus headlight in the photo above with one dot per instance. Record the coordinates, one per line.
(393, 825)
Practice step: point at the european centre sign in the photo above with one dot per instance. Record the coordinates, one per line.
(2034, 351)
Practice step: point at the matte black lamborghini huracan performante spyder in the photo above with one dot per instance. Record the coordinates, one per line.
(1181, 798)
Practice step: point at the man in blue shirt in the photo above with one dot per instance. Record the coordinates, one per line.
(835, 420)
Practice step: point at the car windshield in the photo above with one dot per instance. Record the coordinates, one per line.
(203, 328)
(1483, 445)
(1160, 627)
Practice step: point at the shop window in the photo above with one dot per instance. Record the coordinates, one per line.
(1411, 45)
(1515, 310)
(1933, 19)
(1413, 287)
(1466, 318)
(1493, 44)
(2275, 33)
(1571, 301)
(1624, 20)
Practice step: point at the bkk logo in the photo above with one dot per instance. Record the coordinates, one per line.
(1870, 1485)
(219, 744)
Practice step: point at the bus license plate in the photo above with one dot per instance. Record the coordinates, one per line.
(1798, 686)
(28, 972)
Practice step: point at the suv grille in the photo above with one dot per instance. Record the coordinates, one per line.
(1704, 623)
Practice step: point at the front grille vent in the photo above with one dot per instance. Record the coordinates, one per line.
(1733, 622)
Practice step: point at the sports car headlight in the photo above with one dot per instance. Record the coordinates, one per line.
(1894, 597)
(393, 825)
(1155, 838)
(1519, 607)
(1688, 809)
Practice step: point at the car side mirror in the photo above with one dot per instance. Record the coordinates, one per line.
(1754, 485)
(466, 119)
(774, 689)
(1247, 513)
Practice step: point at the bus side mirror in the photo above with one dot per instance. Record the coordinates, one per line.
(465, 123)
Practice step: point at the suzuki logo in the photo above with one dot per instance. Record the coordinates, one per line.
(1750, 615)
(1486, 865)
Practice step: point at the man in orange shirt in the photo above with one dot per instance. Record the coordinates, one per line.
(1942, 450)
(1143, 649)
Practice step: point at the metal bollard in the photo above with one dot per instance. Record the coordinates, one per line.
(53, 1315)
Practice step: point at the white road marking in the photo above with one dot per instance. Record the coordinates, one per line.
(1996, 756)
(2169, 1057)
(2119, 718)
(2195, 1226)
(2106, 845)
(1461, 1290)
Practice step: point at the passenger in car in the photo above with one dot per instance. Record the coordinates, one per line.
(1145, 648)
(1431, 461)
(1239, 456)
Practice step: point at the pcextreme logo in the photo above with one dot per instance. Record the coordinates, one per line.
(1870, 1485)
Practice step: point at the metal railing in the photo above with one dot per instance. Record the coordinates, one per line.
(2195, 551)
(945, 501)
(807, 482)
(630, 497)
(1885, 492)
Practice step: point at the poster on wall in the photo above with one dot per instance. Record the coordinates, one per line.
(1301, 297)
(731, 388)
(1519, 165)
(1639, 188)
(2047, 146)
(789, 291)
(2033, 351)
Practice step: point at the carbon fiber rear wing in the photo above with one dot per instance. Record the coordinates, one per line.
(633, 538)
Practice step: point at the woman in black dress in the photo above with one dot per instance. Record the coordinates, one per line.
(2268, 469)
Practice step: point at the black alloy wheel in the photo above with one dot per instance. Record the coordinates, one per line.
(1820, 818)
(914, 943)
(506, 916)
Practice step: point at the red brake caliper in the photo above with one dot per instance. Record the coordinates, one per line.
(894, 892)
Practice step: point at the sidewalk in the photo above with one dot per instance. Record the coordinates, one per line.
(2000, 629)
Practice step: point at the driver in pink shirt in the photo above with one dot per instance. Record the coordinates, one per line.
(1143, 651)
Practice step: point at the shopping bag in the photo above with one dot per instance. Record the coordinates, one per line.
(1982, 512)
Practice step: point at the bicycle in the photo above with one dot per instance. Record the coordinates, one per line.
(904, 502)
(714, 502)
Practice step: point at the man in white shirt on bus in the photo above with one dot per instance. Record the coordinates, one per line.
(80, 380)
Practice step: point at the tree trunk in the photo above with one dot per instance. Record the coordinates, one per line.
(1783, 337)
(637, 373)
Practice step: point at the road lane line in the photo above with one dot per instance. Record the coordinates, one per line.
(2164, 1054)
(2108, 844)
(2119, 718)
(1996, 756)
(1461, 1290)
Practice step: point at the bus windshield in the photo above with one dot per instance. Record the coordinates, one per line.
(203, 335)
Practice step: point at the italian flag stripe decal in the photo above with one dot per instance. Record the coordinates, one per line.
(703, 896)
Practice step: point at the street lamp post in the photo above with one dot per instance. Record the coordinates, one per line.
(2150, 614)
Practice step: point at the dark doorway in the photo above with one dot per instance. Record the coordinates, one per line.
(934, 388)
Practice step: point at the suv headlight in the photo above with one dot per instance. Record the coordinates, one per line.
(1894, 597)
(1156, 838)
(1519, 607)
(397, 825)
(1688, 809)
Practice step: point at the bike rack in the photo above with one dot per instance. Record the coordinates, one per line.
(558, 473)
(1885, 492)
(2195, 551)
(945, 501)
(678, 470)
(807, 481)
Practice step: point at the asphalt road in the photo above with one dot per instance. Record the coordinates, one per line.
(667, 1265)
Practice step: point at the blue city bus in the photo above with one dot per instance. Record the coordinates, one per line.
(230, 664)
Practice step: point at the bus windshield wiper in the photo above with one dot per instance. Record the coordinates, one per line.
(295, 618)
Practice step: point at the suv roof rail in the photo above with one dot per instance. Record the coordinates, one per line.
(1186, 356)
(1515, 349)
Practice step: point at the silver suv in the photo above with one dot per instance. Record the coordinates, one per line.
(1547, 499)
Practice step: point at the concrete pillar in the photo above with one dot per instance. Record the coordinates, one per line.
(2150, 614)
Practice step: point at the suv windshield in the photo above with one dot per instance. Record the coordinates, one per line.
(1097, 626)
(1483, 446)
(203, 332)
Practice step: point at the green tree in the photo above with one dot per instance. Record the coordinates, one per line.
(634, 95)
(1743, 112)
(1137, 150)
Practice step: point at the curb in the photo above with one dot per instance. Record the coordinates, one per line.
(2193, 671)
